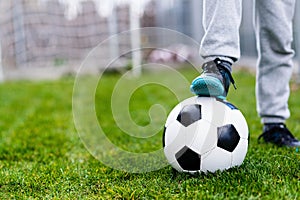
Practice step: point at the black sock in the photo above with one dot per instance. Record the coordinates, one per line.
(268, 126)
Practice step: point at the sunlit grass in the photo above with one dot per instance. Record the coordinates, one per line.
(42, 156)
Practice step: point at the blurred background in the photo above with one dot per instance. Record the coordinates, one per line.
(46, 39)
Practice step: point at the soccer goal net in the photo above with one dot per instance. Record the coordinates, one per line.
(37, 35)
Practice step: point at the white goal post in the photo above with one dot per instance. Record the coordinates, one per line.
(135, 39)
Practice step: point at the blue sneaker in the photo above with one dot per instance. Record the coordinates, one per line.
(279, 134)
(214, 80)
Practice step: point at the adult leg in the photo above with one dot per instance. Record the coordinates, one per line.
(274, 34)
(274, 39)
(220, 47)
(221, 22)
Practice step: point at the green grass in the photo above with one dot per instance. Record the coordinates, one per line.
(42, 156)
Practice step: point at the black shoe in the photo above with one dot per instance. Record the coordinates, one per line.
(278, 134)
(214, 80)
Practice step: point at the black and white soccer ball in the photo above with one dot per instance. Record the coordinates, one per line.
(205, 134)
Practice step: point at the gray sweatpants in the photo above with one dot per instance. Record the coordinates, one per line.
(274, 35)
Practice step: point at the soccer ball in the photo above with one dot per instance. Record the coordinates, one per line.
(205, 134)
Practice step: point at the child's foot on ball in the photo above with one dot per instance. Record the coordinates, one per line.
(214, 81)
(278, 134)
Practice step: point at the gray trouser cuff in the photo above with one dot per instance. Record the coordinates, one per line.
(265, 120)
(225, 58)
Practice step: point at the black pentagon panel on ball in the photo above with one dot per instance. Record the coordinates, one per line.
(228, 137)
(189, 114)
(188, 159)
(163, 138)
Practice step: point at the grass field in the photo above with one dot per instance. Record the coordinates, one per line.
(42, 156)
